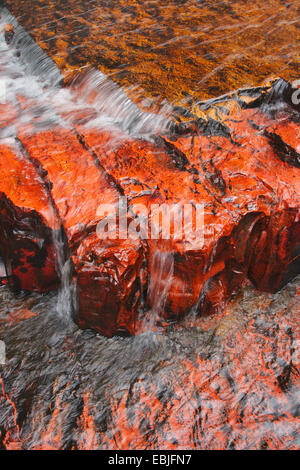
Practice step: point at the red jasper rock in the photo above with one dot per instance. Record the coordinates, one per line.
(246, 175)
(27, 224)
(259, 167)
(241, 163)
(109, 280)
(106, 276)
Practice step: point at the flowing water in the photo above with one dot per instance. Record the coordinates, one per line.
(229, 381)
(177, 50)
(163, 264)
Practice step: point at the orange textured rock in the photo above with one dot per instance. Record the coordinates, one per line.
(27, 224)
(250, 186)
(180, 50)
(155, 175)
(256, 169)
(102, 271)
(8, 33)
(240, 160)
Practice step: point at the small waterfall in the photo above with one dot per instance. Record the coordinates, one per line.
(66, 303)
(162, 271)
(2, 268)
(27, 97)
(35, 62)
(67, 294)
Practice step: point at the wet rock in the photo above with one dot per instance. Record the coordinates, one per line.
(230, 162)
(259, 165)
(27, 224)
(250, 191)
(227, 382)
(106, 274)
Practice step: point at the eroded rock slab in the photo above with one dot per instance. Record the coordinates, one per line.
(240, 159)
(103, 270)
(28, 223)
(247, 177)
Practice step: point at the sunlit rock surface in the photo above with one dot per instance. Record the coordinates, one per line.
(27, 223)
(176, 50)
